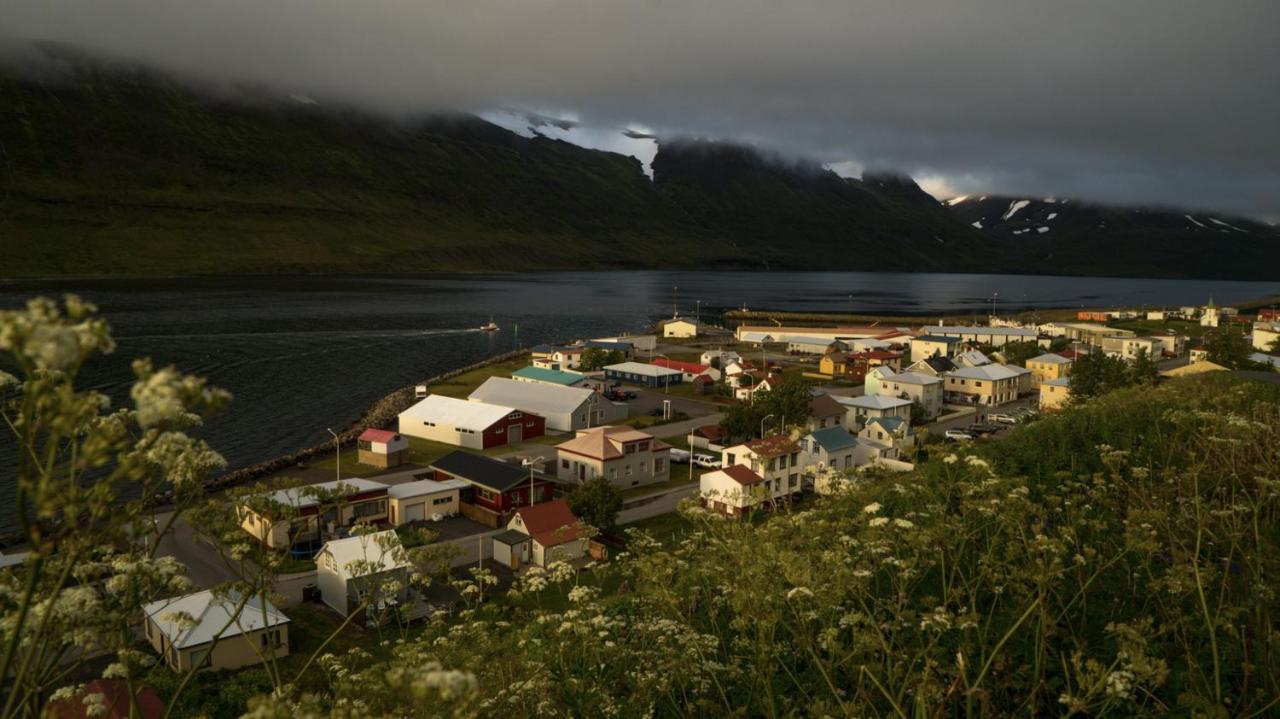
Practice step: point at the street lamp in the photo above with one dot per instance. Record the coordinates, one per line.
(337, 455)
(531, 462)
(762, 421)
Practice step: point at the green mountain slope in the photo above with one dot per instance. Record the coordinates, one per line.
(109, 169)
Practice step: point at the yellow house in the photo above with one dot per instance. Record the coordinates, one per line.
(1048, 366)
(205, 631)
(680, 328)
(989, 384)
(1054, 393)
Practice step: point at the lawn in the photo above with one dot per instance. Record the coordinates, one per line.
(467, 382)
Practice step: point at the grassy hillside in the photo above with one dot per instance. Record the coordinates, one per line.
(1119, 559)
(113, 169)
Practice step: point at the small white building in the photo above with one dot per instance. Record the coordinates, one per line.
(361, 572)
(425, 499)
(381, 448)
(204, 631)
(719, 357)
(680, 328)
(731, 491)
(918, 387)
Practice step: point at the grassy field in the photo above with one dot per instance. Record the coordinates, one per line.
(1160, 327)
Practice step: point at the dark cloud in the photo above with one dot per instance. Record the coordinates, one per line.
(1169, 101)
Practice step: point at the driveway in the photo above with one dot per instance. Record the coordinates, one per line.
(204, 567)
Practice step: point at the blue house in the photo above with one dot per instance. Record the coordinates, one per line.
(640, 373)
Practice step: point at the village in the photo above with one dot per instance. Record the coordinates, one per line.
(490, 461)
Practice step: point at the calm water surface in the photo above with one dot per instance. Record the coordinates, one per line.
(305, 353)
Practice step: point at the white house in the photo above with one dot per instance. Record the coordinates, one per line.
(381, 448)
(720, 357)
(474, 425)
(732, 490)
(892, 435)
(926, 346)
(540, 534)
(203, 630)
(776, 459)
(565, 409)
(363, 571)
(867, 407)
(425, 499)
(915, 386)
(625, 456)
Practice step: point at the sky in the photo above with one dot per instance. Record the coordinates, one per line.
(1171, 102)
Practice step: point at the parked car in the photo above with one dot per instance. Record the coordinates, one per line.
(980, 430)
(656, 412)
(987, 427)
(957, 435)
(706, 461)
(680, 456)
(1002, 417)
(629, 394)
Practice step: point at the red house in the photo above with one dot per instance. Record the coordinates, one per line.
(496, 486)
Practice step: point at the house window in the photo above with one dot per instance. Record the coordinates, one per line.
(628, 470)
(644, 446)
(200, 658)
(366, 445)
(564, 464)
(642, 465)
(485, 494)
(514, 415)
(613, 473)
(442, 500)
(658, 465)
(630, 448)
(369, 509)
(500, 430)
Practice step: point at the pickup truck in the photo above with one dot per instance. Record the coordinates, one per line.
(706, 461)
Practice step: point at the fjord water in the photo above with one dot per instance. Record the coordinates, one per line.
(304, 353)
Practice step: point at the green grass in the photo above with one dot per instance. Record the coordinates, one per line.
(466, 383)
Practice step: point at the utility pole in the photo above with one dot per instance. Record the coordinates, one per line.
(675, 302)
(337, 455)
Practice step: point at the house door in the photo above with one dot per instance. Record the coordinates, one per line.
(582, 472)
(515, 434)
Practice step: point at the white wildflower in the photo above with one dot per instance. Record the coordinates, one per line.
(879, 521)
(871, 508)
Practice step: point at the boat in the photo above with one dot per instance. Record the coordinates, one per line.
(489, 326)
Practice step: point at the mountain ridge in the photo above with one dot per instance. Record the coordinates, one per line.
(110, 170)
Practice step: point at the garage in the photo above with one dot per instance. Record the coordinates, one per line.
(511, 549)
(415, 512)
(515, 434)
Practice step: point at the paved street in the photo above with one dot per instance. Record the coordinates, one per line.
(204, 567)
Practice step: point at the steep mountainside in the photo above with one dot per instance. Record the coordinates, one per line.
(120, 170)
(1071, 232)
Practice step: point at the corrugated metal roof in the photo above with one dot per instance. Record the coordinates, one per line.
(477, 416)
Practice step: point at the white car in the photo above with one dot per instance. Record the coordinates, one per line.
(706, 461)
(956, 435)
(680, 456)
(1002, 418)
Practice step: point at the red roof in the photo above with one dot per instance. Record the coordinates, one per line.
(1071, 354)
(378, 435)
(742, 474)
(690, 367)
(550, 523)
(704, 379)
(116, 699)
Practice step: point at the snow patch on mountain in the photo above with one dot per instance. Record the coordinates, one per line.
(1042, 230)
(1013, 208)
(1196, 222)
(957, 200)
(1226, 224)
(1051, 216)
(978, 224)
